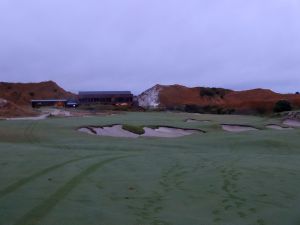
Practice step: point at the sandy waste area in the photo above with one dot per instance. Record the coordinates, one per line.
(118, 131)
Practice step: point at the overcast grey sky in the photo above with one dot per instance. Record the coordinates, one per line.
(134, 44)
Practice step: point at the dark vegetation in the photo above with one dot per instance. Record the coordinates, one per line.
(282, 106)
(208, 109)
(260, 110)
(134, 129)
(192, 108)
(102, 107)
(213, 92)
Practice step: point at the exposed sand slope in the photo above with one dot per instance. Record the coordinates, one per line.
(237, 128)
(150, 97)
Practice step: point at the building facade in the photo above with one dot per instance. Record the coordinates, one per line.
(106, 97)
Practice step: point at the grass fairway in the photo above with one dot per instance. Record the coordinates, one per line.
(52, 174)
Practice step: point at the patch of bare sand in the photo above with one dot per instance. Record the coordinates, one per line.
(277, 127)
(292, 122)
(237, 128)
(167, 132)
(86, 130)
(115, 131)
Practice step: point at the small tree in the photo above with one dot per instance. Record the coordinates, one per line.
(297, 93)
(282, 105)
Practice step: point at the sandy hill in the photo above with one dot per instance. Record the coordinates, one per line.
(249, 101)
(21, 93)
(9, 109)
(15, 97)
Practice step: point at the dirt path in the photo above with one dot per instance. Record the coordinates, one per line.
(41, 117)
(14, 186)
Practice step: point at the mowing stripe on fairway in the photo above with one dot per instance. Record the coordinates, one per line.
(19, 183)
(35, 215)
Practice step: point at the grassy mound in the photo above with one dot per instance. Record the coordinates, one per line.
(134, 129)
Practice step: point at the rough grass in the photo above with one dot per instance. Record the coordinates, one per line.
(48, 171)
(134, 129)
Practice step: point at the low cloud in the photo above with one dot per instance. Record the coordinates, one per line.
(132, 44)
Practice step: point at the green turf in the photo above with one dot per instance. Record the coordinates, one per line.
(134, 129)
(52, 174)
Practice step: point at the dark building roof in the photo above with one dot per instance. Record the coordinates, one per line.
(104, 93)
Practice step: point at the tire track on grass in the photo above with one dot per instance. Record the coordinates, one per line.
(33, 139)
(171, 179)
(14, 186)
(35, 215)
(28, 132)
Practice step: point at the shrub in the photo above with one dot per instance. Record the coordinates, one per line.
(282, 105)
(213, 109)
(297, 93)
(134, 129)
(96, 107)
(207, 92)
(193, 109)
(261, 110)
(180, 108)
(213, 92)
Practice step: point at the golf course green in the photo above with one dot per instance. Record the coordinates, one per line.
(52, 174)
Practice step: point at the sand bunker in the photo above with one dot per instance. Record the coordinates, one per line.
(167, 132)
(87, 130)
(277, 127)
(114, 131)
(237, 128)
(291, 123)
(118, 131)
